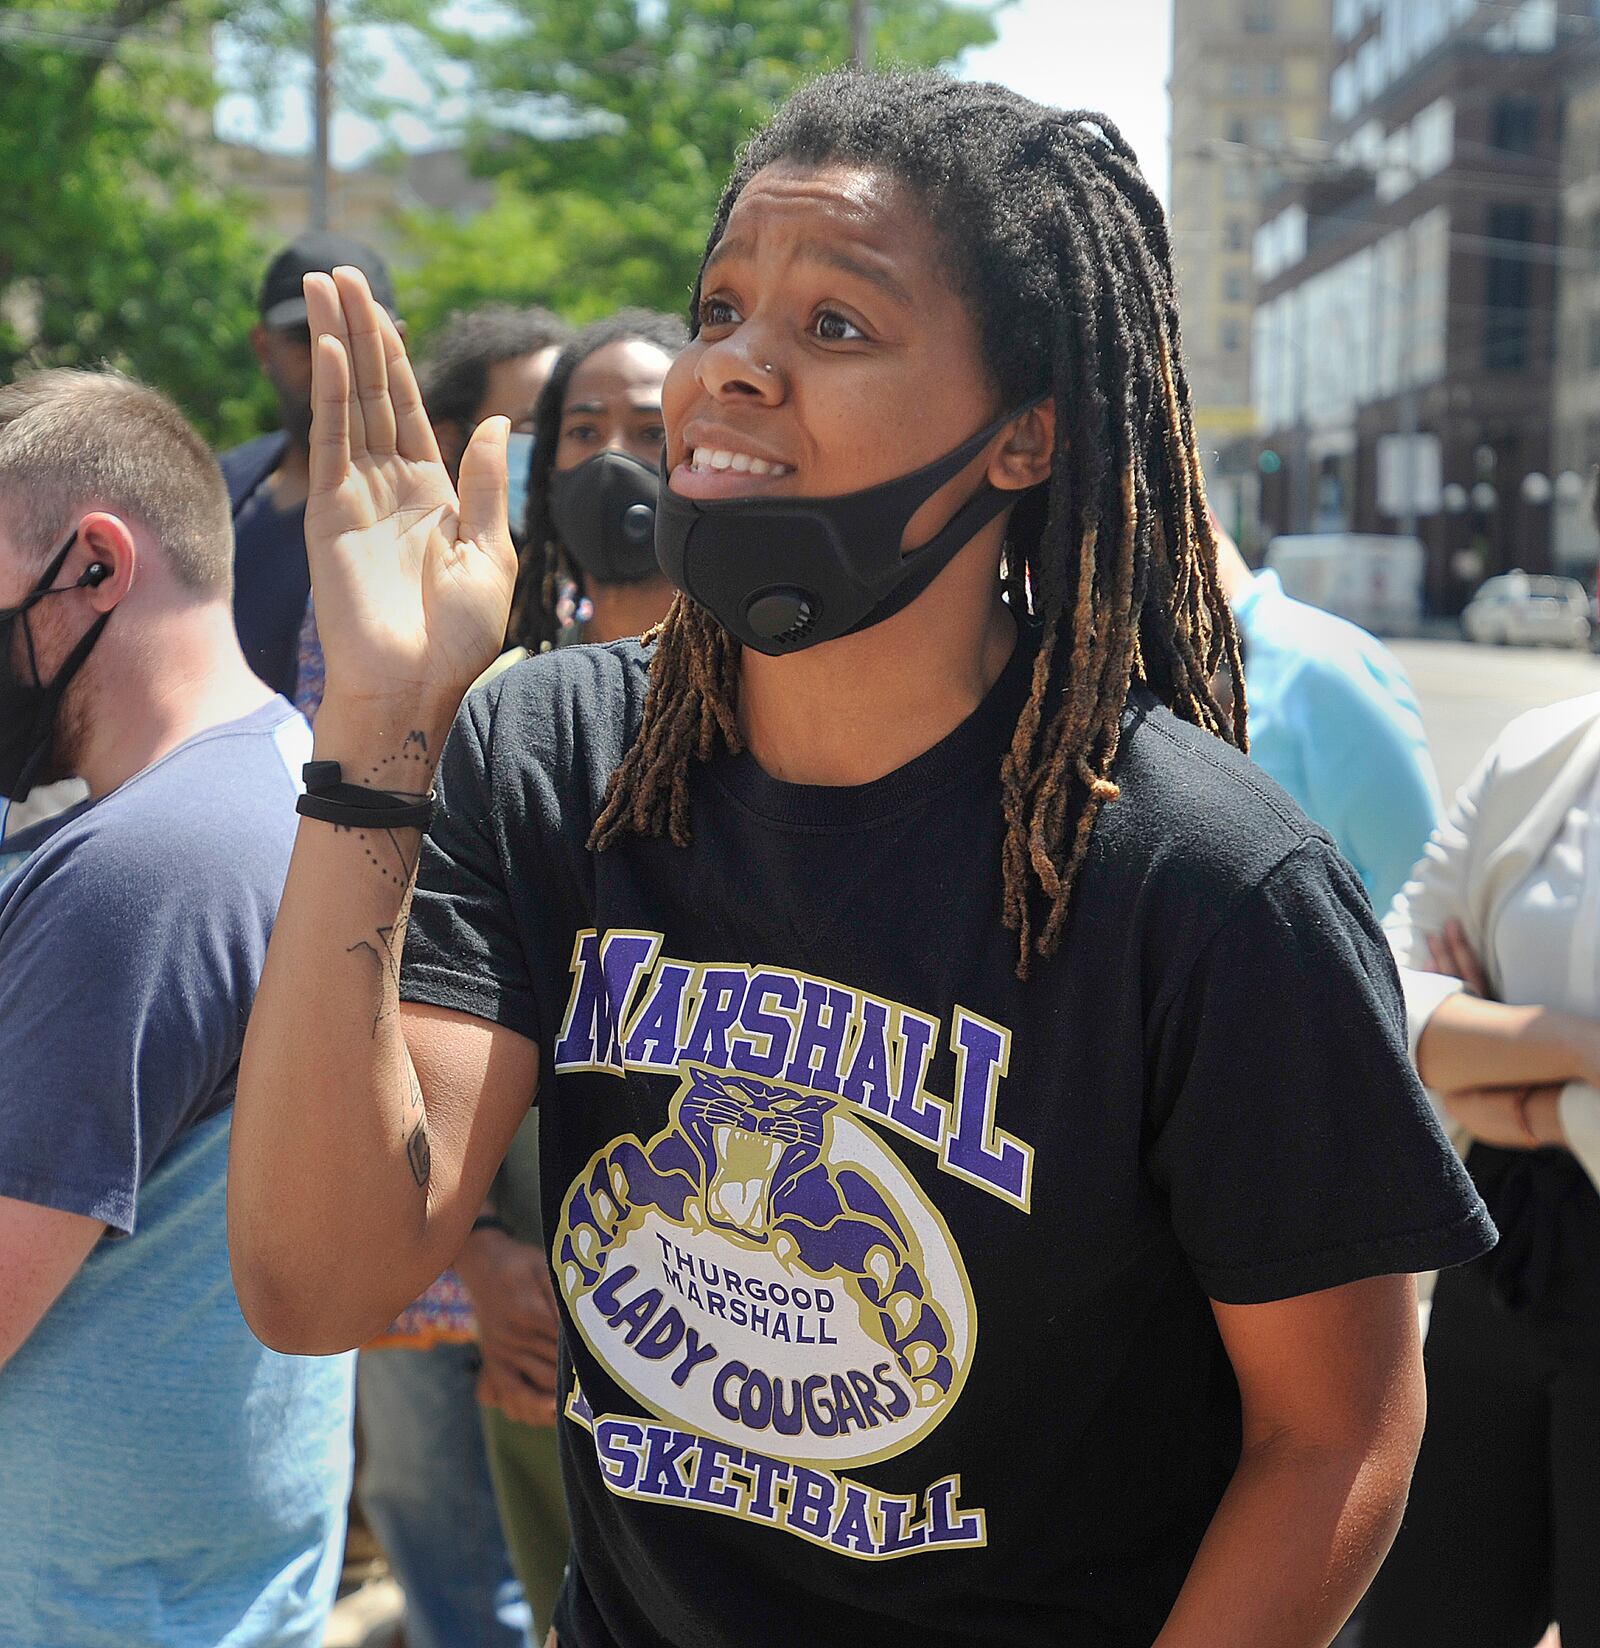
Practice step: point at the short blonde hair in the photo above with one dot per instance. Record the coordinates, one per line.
(72, 438)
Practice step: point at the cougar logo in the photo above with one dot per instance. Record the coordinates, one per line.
(765, 1264)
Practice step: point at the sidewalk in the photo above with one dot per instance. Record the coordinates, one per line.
(371, 1605)
(369, 1617)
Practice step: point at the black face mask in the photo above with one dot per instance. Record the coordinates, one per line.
(605, 516)
(28, 708)
(783, 574)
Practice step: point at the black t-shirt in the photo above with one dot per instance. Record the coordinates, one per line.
(885, 1276)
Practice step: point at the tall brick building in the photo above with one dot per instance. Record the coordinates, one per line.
(1405, 335)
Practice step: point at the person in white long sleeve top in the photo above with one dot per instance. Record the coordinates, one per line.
(1498, 940)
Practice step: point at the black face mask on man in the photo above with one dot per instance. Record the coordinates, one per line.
(28, 709)
(783, 574)
(604, 511)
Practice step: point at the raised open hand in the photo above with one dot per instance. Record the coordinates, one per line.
(412, 585)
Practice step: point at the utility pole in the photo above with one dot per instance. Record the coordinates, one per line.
(859, 48)
(321, 109)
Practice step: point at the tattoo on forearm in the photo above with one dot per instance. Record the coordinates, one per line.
(417, 1152)
(385, 955)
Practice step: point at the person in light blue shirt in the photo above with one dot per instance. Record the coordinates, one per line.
(166, 1481)
(1334, 721)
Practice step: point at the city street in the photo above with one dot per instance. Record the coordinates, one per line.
(1468, 693)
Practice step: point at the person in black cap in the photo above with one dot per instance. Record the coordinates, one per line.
(269, 476)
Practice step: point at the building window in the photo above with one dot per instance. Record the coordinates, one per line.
(1233, 286)
(1514, 125)
(1239, 79)
(1238, 132)
(1507, 285)
(1232, 335)
(1236, 182)
(1433, 138)
(1235, 234)
(1272, 80)
(1430, 23)
(1260, 16)
(1344, 94)
(1269, 131)
(1594, 343)
(1369, 70)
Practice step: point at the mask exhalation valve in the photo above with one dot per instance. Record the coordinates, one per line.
(782, 616)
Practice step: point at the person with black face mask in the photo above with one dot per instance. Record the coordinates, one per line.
(589, 570)
(589, 574)
(30, 705)
(983, 1168)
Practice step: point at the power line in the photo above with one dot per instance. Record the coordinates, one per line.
(99, 43)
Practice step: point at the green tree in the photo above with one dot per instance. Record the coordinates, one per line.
(613, 125)
(116, 245)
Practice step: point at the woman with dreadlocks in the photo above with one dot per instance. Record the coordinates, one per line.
(982, 1166)
(589, 533)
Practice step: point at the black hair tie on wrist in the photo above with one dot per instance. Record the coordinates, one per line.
(330, 799)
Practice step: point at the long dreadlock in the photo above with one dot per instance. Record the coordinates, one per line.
(1061, 248)
(544, 564)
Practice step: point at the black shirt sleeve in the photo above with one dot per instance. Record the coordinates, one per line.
(463, 947)
(1292, 1136)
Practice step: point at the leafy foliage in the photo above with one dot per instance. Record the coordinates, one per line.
(613, 125)
(116, 244)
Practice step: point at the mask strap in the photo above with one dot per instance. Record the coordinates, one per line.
(923, 565)
(918, 568)
(54, 692)
(46, 579)
(27, 636)
(921, 484)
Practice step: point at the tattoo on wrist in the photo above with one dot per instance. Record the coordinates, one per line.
(408, 771)
(388, 854)
(394, 853)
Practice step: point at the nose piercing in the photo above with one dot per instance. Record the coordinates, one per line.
(769, 367)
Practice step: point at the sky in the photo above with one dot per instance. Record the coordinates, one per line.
(1110, 55)
(1073, 53)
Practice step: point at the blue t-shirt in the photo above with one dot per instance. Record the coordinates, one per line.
(1334, 721)
(164, 1478)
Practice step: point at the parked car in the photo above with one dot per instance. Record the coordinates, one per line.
(1373, 579)
(1518, 609)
